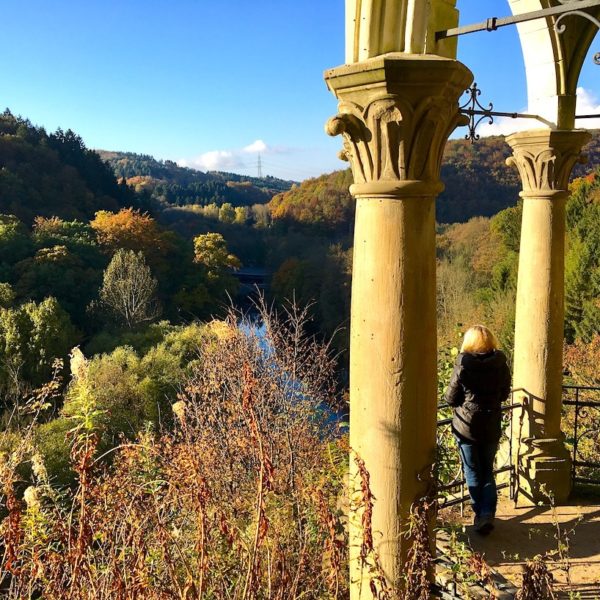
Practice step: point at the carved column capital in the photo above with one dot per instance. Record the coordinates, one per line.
(545, 159)
(396, 112)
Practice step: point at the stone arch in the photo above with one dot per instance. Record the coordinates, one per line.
(553, 60)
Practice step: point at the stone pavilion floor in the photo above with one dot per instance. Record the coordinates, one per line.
(522, 533)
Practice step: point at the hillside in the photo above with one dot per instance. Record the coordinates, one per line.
(323, 201)
(478, 183)
(54, 174)
(171, 185)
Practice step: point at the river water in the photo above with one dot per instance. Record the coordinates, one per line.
(254, 326)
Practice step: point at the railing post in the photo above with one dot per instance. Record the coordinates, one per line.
(511, 474)
(575, 437)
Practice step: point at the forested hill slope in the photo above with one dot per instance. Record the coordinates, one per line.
(169, 184)
(54, 174)
(478, 183)
(323, 201)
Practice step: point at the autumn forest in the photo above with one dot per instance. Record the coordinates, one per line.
(127, 383)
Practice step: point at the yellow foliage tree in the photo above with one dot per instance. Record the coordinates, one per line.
(128, 229)
(211, 251)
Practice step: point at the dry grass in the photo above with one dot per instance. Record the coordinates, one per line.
(243, 499)
(240, 500)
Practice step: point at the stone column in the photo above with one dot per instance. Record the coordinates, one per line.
(544, 159)
(396, 112)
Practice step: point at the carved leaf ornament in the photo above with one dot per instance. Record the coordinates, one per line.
(390, 140)
(546, 170)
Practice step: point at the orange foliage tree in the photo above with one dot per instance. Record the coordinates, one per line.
(582, 359)
(129, 229)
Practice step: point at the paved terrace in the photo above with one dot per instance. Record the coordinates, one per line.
(521, 533)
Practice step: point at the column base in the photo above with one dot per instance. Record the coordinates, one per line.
(543, 472)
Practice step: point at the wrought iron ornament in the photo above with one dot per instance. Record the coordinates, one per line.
(582, 413)
(561, 27)
(476, 112)
(451, 485)
(582, 435)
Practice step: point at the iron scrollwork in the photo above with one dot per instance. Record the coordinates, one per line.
(476, 112)
(451, 483)
(561, 27)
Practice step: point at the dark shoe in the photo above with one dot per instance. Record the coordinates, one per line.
(485, 525)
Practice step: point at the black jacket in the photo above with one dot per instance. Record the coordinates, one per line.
(479, 385)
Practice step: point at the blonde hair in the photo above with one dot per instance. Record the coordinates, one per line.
(479, 340)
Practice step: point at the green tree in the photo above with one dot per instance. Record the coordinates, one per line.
(7, 295)
(210, 251)
(129, 289)
(227, 213)
(59, 272)
(582, 268)
(241, 215)
(507, 223)
(15, 242)
(213, 280)
(32, 337)
(78, 237)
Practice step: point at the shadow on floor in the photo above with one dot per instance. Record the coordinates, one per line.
(532, 532)
(522, 533)
(583, 593)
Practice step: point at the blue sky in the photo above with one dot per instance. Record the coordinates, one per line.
(212, 83)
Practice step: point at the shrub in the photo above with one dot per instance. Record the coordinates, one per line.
(241, 499)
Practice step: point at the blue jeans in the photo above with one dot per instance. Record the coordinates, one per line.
(478, 467)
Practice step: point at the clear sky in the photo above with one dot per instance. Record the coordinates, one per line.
(212, 83)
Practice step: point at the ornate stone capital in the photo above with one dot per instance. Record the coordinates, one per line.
(545, 158)
(396, 112)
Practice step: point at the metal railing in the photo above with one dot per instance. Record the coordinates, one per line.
(581, 425)
(451, 484)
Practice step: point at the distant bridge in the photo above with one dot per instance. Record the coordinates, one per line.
(251, 279)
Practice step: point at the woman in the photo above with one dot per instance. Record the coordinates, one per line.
(479, 384)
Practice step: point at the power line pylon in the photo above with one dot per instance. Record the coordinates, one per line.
(259, 168)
